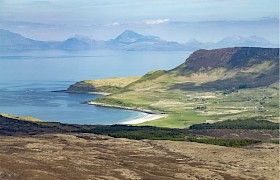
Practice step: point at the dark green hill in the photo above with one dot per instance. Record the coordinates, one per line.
(219, 69)
(240, 67)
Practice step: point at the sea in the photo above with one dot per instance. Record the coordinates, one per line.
(28, 79)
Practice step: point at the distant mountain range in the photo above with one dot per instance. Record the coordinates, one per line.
(233, 41)
(128, 40)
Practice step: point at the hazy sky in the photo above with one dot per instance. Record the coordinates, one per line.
(105, 18)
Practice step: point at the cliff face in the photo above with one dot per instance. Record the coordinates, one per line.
(229, 58)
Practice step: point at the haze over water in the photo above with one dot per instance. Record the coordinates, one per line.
(28, 78)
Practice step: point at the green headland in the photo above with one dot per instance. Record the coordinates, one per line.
(212, 85)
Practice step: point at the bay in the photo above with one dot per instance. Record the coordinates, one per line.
(27, 80)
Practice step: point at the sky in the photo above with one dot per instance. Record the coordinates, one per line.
(178, 20)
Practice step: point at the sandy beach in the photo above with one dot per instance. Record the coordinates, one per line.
(147, 117)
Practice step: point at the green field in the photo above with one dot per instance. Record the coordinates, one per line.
(185, 108)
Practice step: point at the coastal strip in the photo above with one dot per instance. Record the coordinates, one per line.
(120, 107)
(150, 115)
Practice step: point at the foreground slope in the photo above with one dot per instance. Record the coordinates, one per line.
(88, 156)
(37, 150)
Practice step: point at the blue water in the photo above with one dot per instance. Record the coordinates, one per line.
(27, 80)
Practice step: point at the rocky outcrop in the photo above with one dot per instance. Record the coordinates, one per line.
(81, 87)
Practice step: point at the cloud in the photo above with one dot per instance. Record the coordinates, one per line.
(157, 21)
(115, 24)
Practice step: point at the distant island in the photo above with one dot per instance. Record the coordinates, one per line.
(128, 41)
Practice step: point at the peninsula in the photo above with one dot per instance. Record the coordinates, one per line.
(212, 85)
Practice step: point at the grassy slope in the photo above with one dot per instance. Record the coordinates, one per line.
(180, 105)
(109, 85)
(21, 118)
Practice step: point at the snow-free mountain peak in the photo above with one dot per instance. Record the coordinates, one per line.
(129, 36)
(252, 41)
(14, 41)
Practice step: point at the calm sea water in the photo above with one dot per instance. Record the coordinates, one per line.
(27, 79)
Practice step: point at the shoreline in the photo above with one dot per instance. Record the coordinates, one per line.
(83, 92)
(121, 107)
(150, 115)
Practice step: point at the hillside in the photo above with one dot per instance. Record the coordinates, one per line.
(211, 85)
(238, 67)
(228, 58)
(108, 85)
(219, 69)
(48, 150)
(90, 156)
